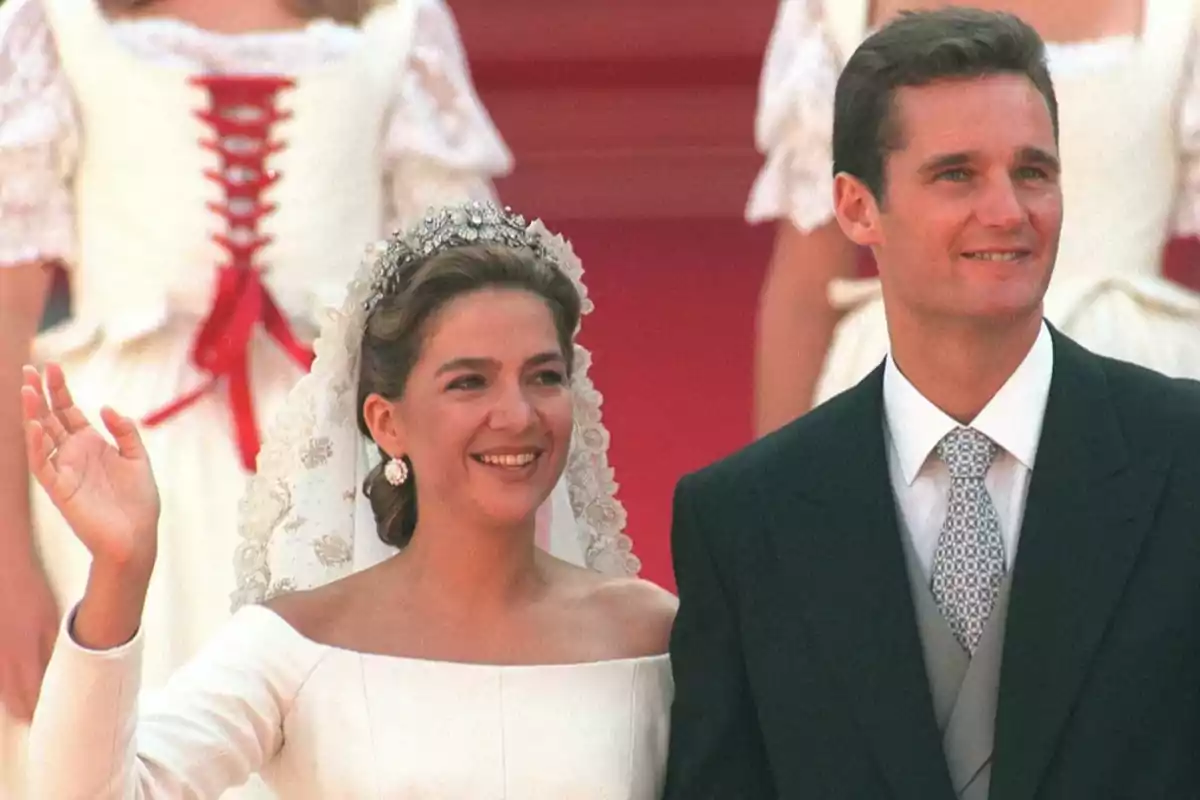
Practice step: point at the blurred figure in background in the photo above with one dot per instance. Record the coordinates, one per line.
(103, 172)
(1129, 97)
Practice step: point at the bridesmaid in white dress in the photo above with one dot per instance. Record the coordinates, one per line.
(471, 664)
(1128, 86)
(103, 172)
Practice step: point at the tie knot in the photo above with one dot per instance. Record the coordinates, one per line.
(967, 453)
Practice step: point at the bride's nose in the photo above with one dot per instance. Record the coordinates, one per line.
(513, 408)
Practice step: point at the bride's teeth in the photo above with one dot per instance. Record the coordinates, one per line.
(994, 256)
(516, 460)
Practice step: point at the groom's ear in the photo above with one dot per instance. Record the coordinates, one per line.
(857, 210)
(383, 421)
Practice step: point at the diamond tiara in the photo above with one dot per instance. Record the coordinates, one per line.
(447, 228)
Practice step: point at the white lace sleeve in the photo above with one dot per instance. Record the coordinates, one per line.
(38, 133)
(794, 125)
(1187, 204)
(442, 147)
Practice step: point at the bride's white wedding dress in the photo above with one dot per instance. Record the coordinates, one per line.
(101, 167)
(318, 721)
(356, 725)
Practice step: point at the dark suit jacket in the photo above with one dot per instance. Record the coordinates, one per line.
(798, 665)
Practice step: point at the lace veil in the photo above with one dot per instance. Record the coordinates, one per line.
(304, 520)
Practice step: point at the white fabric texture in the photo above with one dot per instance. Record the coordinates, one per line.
(37, 140)
(794, 124)
(321, 723)
(1130, 146)
(440, 144)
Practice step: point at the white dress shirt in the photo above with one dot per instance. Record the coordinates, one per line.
(1012, 419)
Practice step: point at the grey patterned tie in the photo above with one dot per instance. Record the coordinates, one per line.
(968, 564)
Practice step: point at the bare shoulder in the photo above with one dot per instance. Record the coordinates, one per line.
(642, 611)
(315, 614)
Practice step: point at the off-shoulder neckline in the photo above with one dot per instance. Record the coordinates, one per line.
(279, 621)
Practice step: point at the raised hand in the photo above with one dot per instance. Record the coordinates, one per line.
(106, 493)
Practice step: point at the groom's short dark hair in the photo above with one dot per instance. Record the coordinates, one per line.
(916, 49)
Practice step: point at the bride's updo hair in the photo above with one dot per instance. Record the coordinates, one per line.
(396, 328)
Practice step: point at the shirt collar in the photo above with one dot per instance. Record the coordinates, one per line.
(1012, 418)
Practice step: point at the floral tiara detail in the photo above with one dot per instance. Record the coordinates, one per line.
(446, 228)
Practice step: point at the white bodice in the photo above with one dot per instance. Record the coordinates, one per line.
(141, 192)
(1129, 132)
(98, 135)
(321, 722)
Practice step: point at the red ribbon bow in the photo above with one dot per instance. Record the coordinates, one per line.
(242, 112)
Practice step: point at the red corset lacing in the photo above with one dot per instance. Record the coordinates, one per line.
(242, 112)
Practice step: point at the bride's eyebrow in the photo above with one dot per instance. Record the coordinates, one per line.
(472, 363)
(549, 357)
(480, 364)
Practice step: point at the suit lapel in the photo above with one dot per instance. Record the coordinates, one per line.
(1088, 509)
(833, 516)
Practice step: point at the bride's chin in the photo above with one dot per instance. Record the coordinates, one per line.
(511, 510)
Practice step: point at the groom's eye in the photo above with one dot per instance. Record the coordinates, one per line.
(956, 175)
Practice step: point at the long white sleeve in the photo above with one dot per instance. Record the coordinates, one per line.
(218, 721)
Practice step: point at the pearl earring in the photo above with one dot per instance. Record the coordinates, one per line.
(396, 471)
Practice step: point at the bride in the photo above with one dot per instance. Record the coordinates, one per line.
(414, 639)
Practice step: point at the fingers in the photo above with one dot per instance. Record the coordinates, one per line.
(61, 401)
(124, 433)
(39, 447)
(34, 407)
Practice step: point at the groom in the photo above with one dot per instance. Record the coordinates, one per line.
(977, 573)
